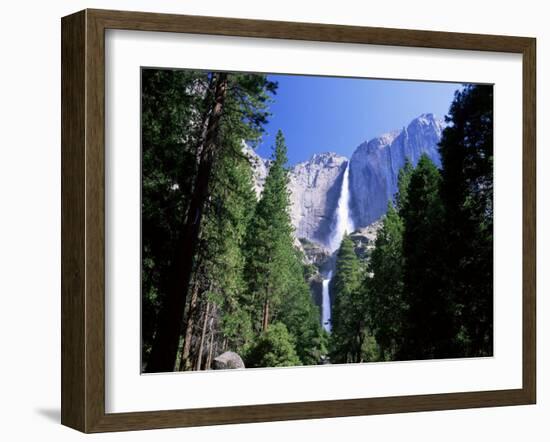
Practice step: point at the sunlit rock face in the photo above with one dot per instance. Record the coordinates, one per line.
(314, 192)
(375, 165)
(260, 168)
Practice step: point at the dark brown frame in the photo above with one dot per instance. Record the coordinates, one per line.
(83, 216)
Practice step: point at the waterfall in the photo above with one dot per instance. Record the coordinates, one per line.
(326, 313)
(343, 223)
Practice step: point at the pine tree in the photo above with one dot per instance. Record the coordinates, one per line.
(172, 101)
(234, 105)
(430, 324)
(386, 305)
(274, 271)
(301, 316)
(403, 181)
(274, 348)
(348, 313)
(165, 344)
(269, 242)
(219, 276)
(466, 150)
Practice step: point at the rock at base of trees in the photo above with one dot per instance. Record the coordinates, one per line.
(228, 360)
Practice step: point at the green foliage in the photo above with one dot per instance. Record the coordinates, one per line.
(349, 330)
(277, 287)
(403, 181)
(226, 220)
(384, 290)
(176, 107)
(269, 246)
(273, 348)
(467, 192)
(429, 319)
(430, 295)
(171, 106)
(231, 207)
(301, 316)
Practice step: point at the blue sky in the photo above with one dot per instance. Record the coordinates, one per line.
(331, 114)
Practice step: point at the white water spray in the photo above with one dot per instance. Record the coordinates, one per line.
(342, 224)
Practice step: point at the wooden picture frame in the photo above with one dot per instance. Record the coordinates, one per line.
(83, 220)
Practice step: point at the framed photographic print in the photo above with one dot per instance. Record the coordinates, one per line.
(267, 221)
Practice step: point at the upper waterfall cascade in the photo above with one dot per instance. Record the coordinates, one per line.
(343, 223)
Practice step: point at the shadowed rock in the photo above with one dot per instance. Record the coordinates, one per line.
(374, 166)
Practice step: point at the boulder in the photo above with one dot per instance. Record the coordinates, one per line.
(228, 360)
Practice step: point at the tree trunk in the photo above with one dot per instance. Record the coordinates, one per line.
(165, 344)
(185, 363)
(210, 347)
(178, 360)
(203, 334)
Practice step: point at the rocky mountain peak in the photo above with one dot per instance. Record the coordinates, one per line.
(325, 158)
(427, 119)
(427, 125)
(375, 165)
(378, 143)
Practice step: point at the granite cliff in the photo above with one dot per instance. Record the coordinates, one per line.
(375, 165)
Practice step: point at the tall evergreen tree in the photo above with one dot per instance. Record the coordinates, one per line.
(277, 288)
(301, 316)
(466, 151)
(269, 242)
(348, 318)
(386, 305)
(171, 106)
(218, 274)
(233, 104)
(403, 181)
(429, 327)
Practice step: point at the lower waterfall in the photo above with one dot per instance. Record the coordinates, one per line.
(326, 313)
